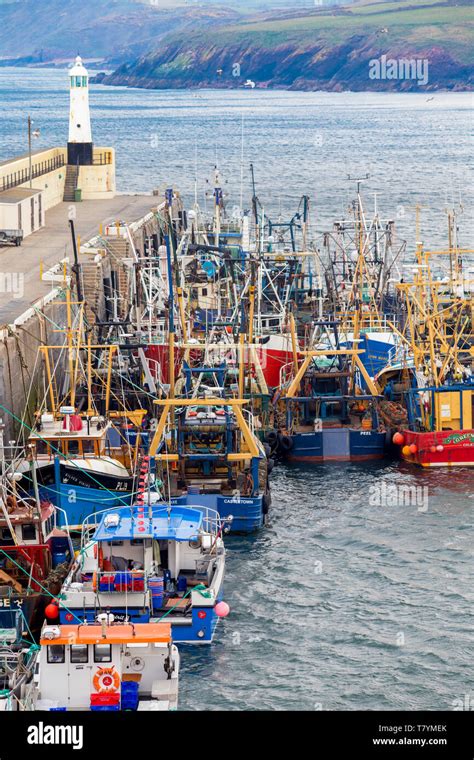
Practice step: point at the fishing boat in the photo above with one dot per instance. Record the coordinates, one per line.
(149, 562)
(18, 659)
(105, 666)
(439, 337)
(325, 416)
(78, 452)
(35, 556)
(73, 464)
(443, 434)
(206, 453)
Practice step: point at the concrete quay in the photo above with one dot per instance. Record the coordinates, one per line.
(52, 243)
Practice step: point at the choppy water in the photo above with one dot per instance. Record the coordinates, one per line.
(415, 147)
(340, 603)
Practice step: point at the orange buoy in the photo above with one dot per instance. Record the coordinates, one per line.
(406, 451)
(413, 448)
(398, 439)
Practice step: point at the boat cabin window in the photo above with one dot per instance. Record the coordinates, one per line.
(6, 535)
(28, 532)
(56, 653)
(88, 447)
(79, 653)
(136, 542)
(42, 447)
(116, 543)
(70, 447)
(102, 653)
(48, 526)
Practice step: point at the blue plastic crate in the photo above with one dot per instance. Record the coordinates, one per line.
(129, 695)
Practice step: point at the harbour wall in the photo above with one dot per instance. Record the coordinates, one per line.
(21, 366)
(49, 168)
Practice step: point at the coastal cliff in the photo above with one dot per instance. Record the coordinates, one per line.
(322, 50)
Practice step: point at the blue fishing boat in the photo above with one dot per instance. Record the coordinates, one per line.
(147, 563)
(328, 418)
(75, 466)
(79, 451)
(206, 453)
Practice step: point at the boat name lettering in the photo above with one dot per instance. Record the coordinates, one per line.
(238, 501)
(459, 437)
(7, 602)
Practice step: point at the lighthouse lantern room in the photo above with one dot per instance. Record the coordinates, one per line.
(79, 147)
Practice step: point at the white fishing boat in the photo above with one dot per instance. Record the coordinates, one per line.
(147, 562)
(106, 666)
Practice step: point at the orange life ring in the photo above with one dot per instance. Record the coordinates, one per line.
(106, 680)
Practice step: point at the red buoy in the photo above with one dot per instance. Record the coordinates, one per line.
(52, 611)
(413, 448)
(398, 439)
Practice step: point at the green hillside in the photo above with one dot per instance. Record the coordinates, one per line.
(327, 48)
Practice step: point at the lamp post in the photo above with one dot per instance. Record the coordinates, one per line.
(35, 133)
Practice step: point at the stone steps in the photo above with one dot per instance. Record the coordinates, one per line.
(70, 185)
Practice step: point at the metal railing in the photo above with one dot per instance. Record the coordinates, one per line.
(399, 353)
(38, 169)
(101, 159)
(212, 522)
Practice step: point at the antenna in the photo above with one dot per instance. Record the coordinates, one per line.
(359, 181)
(195, 173)
(242, 163)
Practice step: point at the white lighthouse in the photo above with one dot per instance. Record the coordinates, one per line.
(79, 147)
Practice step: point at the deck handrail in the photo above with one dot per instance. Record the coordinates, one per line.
(212, 521)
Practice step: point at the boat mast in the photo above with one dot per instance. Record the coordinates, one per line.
(171, 328)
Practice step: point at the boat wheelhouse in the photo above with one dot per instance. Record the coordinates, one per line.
(35, 557)
(147, 562)
(106, 667)
(440, 431)
(76, 466)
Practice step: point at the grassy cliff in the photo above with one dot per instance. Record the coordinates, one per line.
(325, 48)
